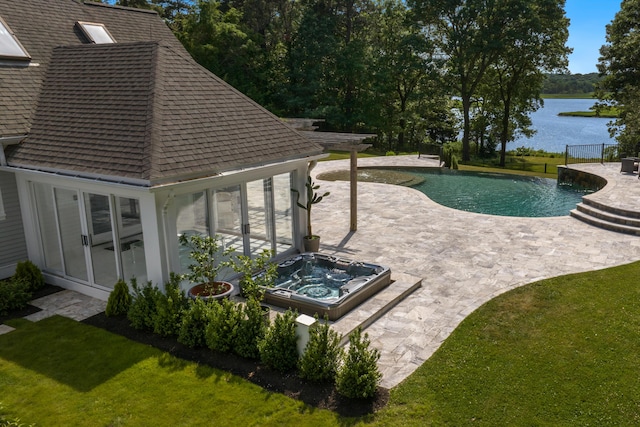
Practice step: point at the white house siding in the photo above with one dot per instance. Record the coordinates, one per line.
(12, 243)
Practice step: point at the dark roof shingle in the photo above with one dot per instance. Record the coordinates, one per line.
(147, 111)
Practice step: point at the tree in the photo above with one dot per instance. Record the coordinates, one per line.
(535, 44)
(619, 63)
(470, 36)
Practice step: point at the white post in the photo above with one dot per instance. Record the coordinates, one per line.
(303, 325)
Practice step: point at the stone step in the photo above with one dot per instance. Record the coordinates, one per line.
(375, 307)
(627, 213)
(607, 215)
(607, 225)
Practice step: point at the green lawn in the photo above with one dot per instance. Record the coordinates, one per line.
(563, 351)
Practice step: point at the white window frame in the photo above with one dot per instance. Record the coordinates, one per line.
(96, 32)
(16, 50)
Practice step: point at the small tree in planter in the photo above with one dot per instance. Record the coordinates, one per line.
(210, 258)
(311, 241)
(258, 274)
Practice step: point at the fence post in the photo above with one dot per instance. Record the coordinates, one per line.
(566, 155)
(602, 155)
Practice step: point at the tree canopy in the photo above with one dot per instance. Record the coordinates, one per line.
(388, 67)
(620, 66)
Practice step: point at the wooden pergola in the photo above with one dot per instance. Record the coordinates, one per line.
(336, 141)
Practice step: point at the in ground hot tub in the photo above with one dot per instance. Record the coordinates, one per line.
(315, 283)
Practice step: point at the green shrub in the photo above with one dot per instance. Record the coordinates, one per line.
(169, 307)
(224, 317)
(358, 377)
(194, 324)
(143, 305)
(390, 153)
(14, 294)
(278, 347)
(251, 330)
(29, 272)
(119, 300)
(321, 357)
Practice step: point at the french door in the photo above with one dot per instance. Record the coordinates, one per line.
(92, 238)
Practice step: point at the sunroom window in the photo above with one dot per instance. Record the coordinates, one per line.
(10, 47)
(96, 33)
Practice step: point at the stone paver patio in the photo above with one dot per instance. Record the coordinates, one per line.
(464, 259)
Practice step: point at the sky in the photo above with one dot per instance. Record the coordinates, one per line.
(587, 31)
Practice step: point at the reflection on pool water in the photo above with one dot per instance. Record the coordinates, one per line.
(497, 194)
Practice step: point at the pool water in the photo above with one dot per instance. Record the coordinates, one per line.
(498, 194)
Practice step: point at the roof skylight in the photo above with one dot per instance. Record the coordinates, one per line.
(10, 47)
(96, 33)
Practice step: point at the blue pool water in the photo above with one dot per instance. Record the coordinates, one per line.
(498, 194)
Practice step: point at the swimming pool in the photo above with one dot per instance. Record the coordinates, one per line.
(494, 193)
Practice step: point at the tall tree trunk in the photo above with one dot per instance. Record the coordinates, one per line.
(466, 112)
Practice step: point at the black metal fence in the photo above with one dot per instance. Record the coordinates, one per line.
(591, 153)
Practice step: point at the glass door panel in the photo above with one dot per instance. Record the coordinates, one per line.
(191, 218)
(46, 213)
(71, 235)
(131, 239)
(283, 219)
(100, 232)
(227, 216)
(259, 209)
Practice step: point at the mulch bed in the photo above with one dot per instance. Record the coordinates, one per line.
(322, 396)
(30, 309)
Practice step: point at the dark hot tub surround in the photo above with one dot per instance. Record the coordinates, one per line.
(315, 283)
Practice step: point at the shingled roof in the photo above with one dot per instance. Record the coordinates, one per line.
(147, 112)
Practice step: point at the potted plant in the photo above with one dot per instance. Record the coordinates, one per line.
(258, 274)
(311, 241)
(210, 258)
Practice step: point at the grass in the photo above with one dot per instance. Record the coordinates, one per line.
(520, 165)
(563, 351)
(589, 95)
(607, 113)
(61, 372)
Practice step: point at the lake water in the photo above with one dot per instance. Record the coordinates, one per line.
(554, 132)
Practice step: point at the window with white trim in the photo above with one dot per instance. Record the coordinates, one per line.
(10, 47)
(95, 32)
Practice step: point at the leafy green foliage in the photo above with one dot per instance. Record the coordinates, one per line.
(620, 86)
(358, 377)
(250, 330)
(6, 421)
(14, 294)
(278, 348)
(321, 357)
(142, 311)
(119, 300)
(221, 331)
(169, 307)
(194, 324)
(29, 272)
(257, 274)
(209, 255)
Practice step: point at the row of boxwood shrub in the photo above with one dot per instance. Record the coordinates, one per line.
(17, 291)
(228, 327)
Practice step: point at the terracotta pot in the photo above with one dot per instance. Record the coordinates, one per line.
(211, 290)
(311, 243)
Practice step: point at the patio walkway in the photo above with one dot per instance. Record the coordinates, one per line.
(465, 259)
